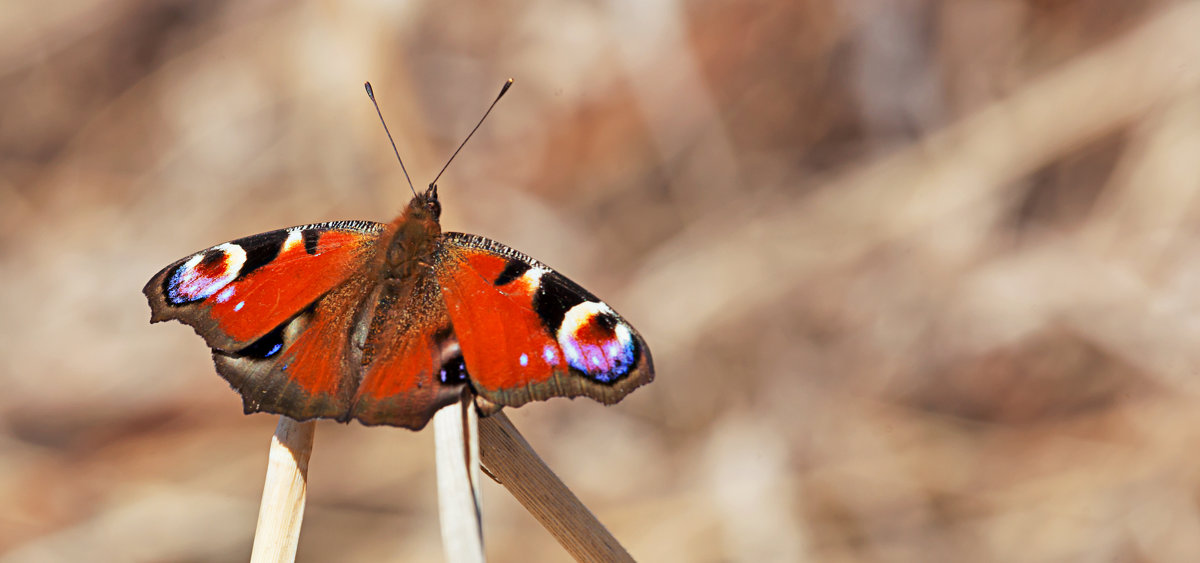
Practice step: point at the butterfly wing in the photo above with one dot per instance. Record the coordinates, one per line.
(528, 333)
(235, 293)
(308, 366)
(274, 309)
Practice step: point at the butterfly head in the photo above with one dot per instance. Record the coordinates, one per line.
(425, 205)
(412, 237)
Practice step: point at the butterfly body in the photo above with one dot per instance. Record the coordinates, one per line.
(386, 323)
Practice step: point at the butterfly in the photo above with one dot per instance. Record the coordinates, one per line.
(386, 323)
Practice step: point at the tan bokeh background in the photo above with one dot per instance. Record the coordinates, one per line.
(921, 278)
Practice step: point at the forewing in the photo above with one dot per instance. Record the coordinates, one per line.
(235, 293)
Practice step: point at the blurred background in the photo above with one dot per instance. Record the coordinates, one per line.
(920, 277)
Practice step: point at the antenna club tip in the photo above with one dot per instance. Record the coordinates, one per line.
(370, 91)
(507, 84)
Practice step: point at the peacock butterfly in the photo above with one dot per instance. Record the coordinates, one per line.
(386, 323)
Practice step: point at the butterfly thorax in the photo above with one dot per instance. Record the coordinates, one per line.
(403, 299)
(412, 239)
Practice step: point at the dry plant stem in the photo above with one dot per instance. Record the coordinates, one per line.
(456, 442)
(508, 458)
(282, 508)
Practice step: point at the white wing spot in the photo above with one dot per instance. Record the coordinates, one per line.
(532, 278)
(294, 239)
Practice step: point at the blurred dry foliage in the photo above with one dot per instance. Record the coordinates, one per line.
(918, 275)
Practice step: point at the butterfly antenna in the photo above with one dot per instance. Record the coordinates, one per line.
(503, 89)
(371, 94)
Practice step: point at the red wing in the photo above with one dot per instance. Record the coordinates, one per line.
(307, 366)
(235, 293)
(528, 333)
(411, 361)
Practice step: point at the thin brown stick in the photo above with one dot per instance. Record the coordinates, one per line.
(282, 508)
(508, 458)
(456, 443)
